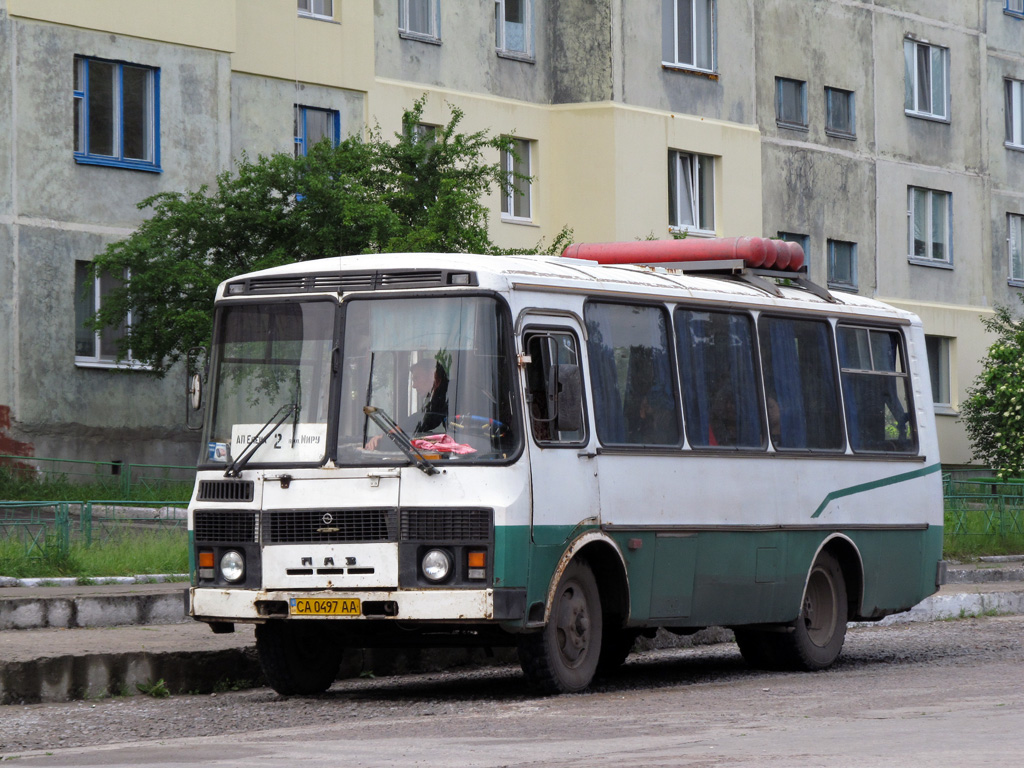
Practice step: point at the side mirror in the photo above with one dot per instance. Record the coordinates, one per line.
(194, 378)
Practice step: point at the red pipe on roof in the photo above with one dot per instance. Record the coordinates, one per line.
(756, 252)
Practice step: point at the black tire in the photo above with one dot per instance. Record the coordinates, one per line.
(819, 631)
(563, 657)
(298, 657)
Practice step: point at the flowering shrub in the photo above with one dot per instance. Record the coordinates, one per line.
(994, 410)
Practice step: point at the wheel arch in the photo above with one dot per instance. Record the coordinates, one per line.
(845, 551)
(609, 569)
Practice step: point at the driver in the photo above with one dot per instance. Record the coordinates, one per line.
(430, 382)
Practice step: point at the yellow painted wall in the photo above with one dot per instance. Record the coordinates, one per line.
(199, 23)
(274, 41)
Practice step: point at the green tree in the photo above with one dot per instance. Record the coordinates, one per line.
(994, 410)
(420, 193)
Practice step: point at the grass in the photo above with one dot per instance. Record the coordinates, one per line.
(15, 486)
(159, 551)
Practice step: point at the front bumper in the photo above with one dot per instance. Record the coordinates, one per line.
(433, 605)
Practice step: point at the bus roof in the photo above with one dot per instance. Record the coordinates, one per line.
(504, 273)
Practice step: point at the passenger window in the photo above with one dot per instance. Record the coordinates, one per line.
(718, 367)
(554, 387)
(800, 384)
(631, 375)
(876, 390)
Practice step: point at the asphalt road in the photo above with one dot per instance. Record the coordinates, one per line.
(940, 693)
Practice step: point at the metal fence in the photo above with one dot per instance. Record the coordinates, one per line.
(120, 479)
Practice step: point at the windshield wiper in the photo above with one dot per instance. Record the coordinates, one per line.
(399, 438)
(261, 437)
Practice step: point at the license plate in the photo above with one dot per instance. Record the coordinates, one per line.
(329, 606)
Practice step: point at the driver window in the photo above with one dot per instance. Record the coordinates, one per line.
(554, 388)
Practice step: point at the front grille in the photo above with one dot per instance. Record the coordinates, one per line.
(224, 527)
(446, 525)
(225, 490)
(341, 282)
(308, 526)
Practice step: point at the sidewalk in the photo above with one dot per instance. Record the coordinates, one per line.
(74, 642)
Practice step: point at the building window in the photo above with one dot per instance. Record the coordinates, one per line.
(840, 117)
(1015, 241)
(1014, 113)
(420, 19)
(930, 222)
(842, 265)
(937, 348)
(95, 348)
(927, 81)
(1014, 7)
(317, 9)
(805, 245)
(513, 27)
(116, 114)
(688, 34)
(515, 196)
(313, 126)
(791, 103)
(691, 192)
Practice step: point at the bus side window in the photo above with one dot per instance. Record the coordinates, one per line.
(632, 375)
(800, 379)
(554, 388)
(718, 366)
(876, 390)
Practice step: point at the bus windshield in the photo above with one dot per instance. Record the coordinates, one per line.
(272, 366)
(438, 369)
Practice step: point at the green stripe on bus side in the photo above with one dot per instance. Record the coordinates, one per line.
(855, 489)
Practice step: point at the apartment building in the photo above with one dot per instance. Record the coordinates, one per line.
(885, 136)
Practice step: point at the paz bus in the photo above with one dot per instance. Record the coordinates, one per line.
(560, 454)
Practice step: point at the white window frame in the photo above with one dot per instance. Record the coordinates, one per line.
(939, 352)
(300, 129)
(785, 89)
(86, 151)
(691, 182)
(834, 254)
(928, 210)
(503, 41)
(1014, 106)
(934, 59)
(98, 359)
(432, 31)
(700, 18)
(832, 98)
(517, 198)
(1015, 248)
(316, 9)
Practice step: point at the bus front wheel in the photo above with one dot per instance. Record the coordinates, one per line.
(563, 657)
(298, 657)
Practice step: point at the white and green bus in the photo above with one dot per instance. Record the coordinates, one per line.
(560, 454)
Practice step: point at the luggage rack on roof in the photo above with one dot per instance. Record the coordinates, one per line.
(753, 260)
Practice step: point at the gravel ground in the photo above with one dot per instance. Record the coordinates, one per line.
(927, 646)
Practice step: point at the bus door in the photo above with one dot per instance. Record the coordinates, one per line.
(564, 481)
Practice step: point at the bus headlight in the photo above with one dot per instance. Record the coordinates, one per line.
(436, 565)
(232, 566)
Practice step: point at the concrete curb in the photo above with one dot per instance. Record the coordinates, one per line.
(91, 611)
(156, 578)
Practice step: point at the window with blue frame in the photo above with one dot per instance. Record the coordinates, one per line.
(313, 125)
(117, 114)
(1014, 7)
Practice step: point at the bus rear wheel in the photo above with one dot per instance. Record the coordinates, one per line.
(563, 657)
(298, 657)
(820, 629)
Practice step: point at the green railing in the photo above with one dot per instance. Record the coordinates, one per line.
(124, 480)
(983, 506)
